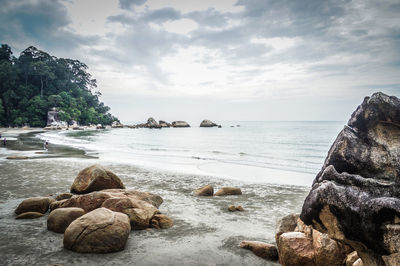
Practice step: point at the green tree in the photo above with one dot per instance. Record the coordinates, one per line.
(37, 81)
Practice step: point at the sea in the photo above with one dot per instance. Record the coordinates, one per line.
(274, 163)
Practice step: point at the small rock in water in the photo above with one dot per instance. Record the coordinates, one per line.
(261, 249)
(36, 204)
(207, 123)
(225, 191)
(29, 215)
(234, 208)
(17, 157)
(161, 221)
(205, 191)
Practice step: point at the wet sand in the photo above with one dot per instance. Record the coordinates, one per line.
(205, 232)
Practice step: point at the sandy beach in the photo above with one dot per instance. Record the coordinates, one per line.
(205, 232)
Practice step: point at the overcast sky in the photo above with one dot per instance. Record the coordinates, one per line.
(220, 59)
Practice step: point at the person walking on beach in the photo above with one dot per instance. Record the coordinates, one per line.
(46, 145)
(4, 142)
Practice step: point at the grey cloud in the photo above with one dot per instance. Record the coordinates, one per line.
(24, 23)
(210, 17)
(130, 4)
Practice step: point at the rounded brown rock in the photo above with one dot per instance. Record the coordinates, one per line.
(225, 191)
(95, 178)
(204, 191)
(99, 231)
(36, 204)
(61, 218)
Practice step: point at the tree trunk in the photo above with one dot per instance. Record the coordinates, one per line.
(41, 86)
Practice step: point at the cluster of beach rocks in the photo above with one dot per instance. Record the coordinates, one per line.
(99, 213)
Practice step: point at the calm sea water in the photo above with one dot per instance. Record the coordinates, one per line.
(269, 152)
(273, 163)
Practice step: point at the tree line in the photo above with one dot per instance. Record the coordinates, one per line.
(35, 82)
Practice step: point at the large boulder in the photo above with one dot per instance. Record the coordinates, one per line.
(226, 191)
(207, 123)
(99, 231)
(261, 249)
(207, 190)
(355, 198)
(95, 178)
(139, 212)
(36, 204)
(61, 218)
(180, 124)
(295, 249)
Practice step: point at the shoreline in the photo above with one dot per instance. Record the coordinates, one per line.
(191, 165)
(204, 229)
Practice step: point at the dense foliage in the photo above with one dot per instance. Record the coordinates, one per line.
(35, 82)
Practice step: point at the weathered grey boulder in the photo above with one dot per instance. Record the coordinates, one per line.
(36, 204)
(226, 191)
(261, 249)
(356, 195)
(152, 123)
(180, 124)
(95, 178)
(207, 190)
(52, 117)
(99, 231)
(61, 218)
(207, 123)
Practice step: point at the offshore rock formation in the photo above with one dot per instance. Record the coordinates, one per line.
(355, 198)
(180, 124)
(152, 123)
(207, 123)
